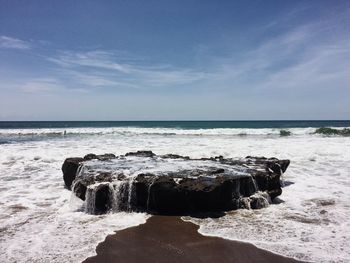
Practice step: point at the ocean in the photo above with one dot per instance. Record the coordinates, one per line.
(42, 221)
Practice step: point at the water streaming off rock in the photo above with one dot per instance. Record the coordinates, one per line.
(172, 184)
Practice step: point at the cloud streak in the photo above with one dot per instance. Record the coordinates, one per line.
(101, 68)
(307, 57)
(7, 42)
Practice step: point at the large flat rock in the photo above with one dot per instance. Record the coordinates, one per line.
(172, 184)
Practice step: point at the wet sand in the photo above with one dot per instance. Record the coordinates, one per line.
(169, 239)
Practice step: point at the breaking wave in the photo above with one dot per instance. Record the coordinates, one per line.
(11, 135)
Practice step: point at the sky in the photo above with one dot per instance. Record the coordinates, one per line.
(174, 60)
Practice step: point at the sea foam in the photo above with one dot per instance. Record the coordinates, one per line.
(40, 221)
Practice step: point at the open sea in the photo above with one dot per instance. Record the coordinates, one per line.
(40, 220)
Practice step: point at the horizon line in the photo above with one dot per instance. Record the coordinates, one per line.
(271, 120)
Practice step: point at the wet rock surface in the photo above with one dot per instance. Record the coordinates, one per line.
(69, 169)
(172, 184)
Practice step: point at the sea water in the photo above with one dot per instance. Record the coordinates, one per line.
(42, 221)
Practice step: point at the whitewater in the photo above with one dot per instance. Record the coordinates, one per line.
(41, 221)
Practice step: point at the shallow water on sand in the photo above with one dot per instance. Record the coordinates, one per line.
(39, 221)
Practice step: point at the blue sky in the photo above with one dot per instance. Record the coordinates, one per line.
(174, 60)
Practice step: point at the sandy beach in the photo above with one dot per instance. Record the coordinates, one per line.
(168, 238)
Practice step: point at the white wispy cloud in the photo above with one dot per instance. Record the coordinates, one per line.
(13, 43)
(96, 79)
(44, 85)
(102, 68)
(94, 59)
(40, 85)
(311, 56)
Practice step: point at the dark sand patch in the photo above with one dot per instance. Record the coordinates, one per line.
(169, 239)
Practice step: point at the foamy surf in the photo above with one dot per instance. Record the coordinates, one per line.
(128, 131)
(40, 222)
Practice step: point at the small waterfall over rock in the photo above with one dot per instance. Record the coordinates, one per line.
(130, 193)
(115, 195)
(90, 200)
(256, 188)
(103, 197)
(149, 191)
(99, 198)
(80, 170)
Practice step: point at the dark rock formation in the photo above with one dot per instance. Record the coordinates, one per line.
(141, 154)
(105, 156)
(79, 189)
(69, 169)
(173, 184)
(330, 131)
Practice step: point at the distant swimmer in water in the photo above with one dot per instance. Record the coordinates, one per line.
(65, 133)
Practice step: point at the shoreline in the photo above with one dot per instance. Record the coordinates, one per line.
(170, 239)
